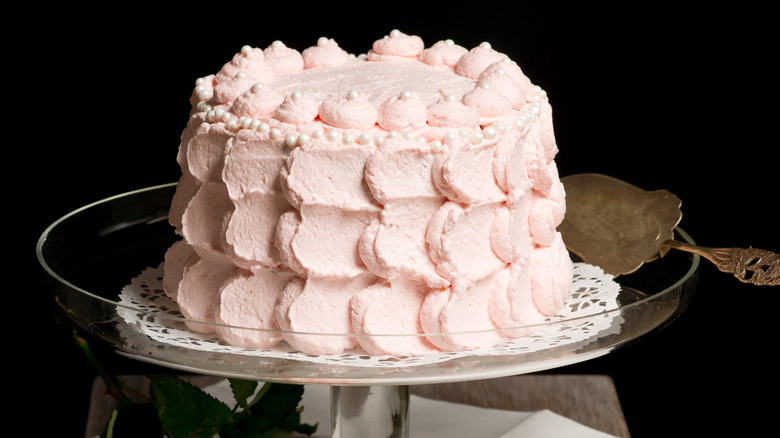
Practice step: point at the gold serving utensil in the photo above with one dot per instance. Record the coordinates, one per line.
(619, 227)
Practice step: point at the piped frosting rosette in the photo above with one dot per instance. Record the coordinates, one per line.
(330, 200)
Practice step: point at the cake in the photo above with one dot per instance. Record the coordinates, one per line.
(327, 200)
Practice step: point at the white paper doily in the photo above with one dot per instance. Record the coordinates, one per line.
(583, 320)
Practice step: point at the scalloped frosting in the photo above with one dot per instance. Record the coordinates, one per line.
(341, 184)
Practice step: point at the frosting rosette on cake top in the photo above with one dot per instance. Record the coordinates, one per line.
(328, 200)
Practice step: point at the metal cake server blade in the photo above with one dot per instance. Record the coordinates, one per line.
(619, 227)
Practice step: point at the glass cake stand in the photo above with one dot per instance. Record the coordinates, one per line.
(92, 253)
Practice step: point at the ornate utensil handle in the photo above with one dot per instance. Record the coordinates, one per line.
(749, 265)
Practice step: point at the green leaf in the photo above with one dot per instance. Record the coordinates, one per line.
(279, 402)
(293, 424)
(242, 390)
(185, 410)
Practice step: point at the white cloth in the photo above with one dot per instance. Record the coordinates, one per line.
(439, 419)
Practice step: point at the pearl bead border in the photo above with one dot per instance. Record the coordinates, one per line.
(475, 136)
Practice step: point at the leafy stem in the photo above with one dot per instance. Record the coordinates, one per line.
(175, 408)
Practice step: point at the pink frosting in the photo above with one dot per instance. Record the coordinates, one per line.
(463, 316)
(329, 200)
(229, 89)
(390, 308)
(297, 108)
(502, 83)
(449, 112)
(282, 59)
(473, 63)
(332, 297)
(466, 175)
(512, 70)
(404, 112)
(258, 101)
(459, 241)
(396, 45)
(326, 53)
(351, 111)
(176, 258)
(487, 101)
(250, 61)
(199, 289)
(258, 328)
(443, 54)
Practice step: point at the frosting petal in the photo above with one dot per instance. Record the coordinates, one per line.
(249, 60)
(296, 109)
(473, 63)
(326, 53)
(443, 54)
(450, 112)
(488, 102)
(351, 111)
(260, 100)
(396, 45)
(282, 59)
(403, 112)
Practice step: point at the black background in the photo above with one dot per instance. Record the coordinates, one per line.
(663, 96)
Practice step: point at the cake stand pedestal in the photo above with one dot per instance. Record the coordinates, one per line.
(92, 253)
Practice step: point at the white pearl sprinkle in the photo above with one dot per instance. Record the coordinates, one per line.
(489, 132)
(322, 41)
(317, 134)
(204, 95)
(296, 95)
(406, 95)
(290, 140)
(408, 136)
(332, 136)
(277, 43)
(241, 75)
(275, 133)
(436, 146)
(395, 33)
(485, 45)
(450, 98)
(477, 138)
(449, 42)
(352, 95)
(263, 127)
(257, 87)
(379, 140)
(348, 139)
(519, 124)
(246, 49)
(302, 139)
(449, 138)
(365, 138)
(392, 134)
(255, 124)
(226, 116)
